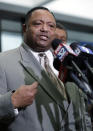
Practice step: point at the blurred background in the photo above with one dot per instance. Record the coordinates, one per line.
(75, 15)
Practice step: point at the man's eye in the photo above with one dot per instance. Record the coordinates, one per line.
(38, 23)
(52, 26)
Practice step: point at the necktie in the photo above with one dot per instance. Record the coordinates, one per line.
(44, 61)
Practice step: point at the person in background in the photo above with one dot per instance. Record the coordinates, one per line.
(61, 32)
(29, 98)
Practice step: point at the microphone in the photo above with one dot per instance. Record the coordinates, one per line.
(83, 85)
(91, 57)
(65, 55)
(82, 52)
(60, 52)
(90, 46)
(84, 59)
(78, 49)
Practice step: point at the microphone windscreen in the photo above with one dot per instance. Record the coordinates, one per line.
(55, 43)
(74, 45)
(89, 46)
(90, 59)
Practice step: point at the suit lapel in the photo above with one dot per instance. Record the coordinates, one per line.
(32, 66)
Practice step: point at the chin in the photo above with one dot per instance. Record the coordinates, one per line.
(43, 48)
(43, 45)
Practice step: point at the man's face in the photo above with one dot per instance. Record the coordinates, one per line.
(40, 30)
(61, 34)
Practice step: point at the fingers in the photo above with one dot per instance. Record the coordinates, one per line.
(24, 95)
(33, 87)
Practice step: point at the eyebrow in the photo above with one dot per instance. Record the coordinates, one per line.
(47, 21)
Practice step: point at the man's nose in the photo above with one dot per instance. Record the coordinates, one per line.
(44, 27)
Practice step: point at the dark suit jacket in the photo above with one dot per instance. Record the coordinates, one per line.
(49, 111)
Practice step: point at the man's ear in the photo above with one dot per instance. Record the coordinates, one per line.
(24, 28)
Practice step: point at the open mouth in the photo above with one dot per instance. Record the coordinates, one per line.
(44, 37)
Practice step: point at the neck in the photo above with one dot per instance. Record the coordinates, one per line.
(39, 49)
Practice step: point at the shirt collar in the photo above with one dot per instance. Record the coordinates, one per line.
(48, 53)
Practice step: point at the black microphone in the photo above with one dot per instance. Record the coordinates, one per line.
(90, 59)
(83, 53)
(84, 59)
(66, 56)
(56, 62)
(61, 52)
(83, 85)
(90, 46)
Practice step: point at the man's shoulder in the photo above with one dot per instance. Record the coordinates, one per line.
(9, 56)
(9, 52)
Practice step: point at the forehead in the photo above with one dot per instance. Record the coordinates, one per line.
(60, 30)
(42, 15)
(61, 34)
